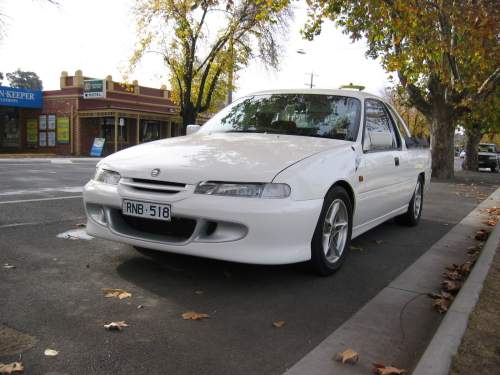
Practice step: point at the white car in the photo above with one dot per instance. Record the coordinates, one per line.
(276, 177)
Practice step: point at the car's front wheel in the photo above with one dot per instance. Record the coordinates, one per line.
(332, 236)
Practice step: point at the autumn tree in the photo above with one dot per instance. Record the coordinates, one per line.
(445, 54)
(205, 42)
(25, 80)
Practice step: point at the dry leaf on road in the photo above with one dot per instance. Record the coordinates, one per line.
(50, 352)
(347, 356)
(380, 369)
(198, 292)
(9, 368)
(80, 225)
(379, 242)
(8, 266)
(116, 326)
(116, 293)
(482, 235)
(279, 323)
(193, 315)
(358, 248)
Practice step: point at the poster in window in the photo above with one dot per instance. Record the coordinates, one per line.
(52, 122)
(32, 131)
(42, 139)
(43, 122)
(51, 139)
(63, 130)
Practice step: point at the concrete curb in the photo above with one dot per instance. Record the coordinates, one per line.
(53, 160)
(396, 326)
(437, 358)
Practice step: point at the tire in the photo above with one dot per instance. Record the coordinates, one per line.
(412, 217)
(337, 208)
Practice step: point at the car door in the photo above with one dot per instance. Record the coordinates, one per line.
(378, 171)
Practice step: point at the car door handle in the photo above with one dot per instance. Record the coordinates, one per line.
(396, 161)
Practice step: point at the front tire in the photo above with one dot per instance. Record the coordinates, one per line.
(332, 236)
(412, 217)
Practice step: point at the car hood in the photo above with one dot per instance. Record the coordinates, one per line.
(238, 157)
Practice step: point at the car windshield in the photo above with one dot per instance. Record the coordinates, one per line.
(312, 115)
(487, 148)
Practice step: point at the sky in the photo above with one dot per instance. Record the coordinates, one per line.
(98, 36)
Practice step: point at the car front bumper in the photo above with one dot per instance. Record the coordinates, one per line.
(247, 230)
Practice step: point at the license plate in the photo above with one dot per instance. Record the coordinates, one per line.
(147, 210)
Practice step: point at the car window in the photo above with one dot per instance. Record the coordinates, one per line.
(398, 122)
(310, 115)
(487, 148)
(379, 133)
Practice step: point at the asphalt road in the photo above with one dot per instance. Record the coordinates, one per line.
(54, 294)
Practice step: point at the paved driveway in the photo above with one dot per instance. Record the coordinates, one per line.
(54, 293)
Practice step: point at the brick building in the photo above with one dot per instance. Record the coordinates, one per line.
(85, 108)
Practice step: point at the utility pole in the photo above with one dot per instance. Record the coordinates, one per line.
(311, 81)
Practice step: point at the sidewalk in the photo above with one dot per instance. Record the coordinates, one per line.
(395, 327)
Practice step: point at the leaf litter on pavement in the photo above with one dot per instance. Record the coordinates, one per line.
(50, 352)
(348, 356)
(278, 323)
(116, 293)
(9, 368)
(193, 315)
(381, 369)
(116, 326)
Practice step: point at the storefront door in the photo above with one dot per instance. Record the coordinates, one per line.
(10, 129)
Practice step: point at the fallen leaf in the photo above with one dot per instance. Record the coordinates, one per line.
(453, 275)
(356, 248)
(347, 356)
(491, 222)
(50, 352)
(279, 323)
(8, 266)
(192, 315)
(198, 292)
(116, 326)
(379, 242)
(140, 306)
(451, 286)
(380, 369)
(441, 304)
(9, 368)
(80, 225)
(482, 235)
(118, 293)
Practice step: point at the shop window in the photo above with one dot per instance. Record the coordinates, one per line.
(150, 131)
(107, 130)
(10, 130)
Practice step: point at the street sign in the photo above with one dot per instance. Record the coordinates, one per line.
(94, 88)
(97, 147)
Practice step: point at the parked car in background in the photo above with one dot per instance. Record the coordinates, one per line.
(488, 157)
(276, 177)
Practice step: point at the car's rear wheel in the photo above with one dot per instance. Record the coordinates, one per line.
(412, 216)
(332, 236)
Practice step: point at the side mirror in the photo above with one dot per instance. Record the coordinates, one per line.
(378, 141)
(192, 129)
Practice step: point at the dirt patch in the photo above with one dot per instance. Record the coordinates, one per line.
(479, 352)
(14, 342)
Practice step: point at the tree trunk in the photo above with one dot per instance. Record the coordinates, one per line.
(473, 138)
(442, 146)
(189, 116)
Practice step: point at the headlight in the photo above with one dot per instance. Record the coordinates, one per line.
(244, 190)
(106, 176)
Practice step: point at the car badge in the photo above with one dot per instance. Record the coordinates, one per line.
(155, 172)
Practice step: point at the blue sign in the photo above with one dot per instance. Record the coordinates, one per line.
(14, 97)
(97, 147)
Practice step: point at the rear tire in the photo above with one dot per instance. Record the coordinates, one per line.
(332, 236)
(412, 216)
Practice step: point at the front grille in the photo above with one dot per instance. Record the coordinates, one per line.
(483, 157)
(165, 187)
(177, 228)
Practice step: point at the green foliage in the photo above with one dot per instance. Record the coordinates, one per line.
(205, 42)
(25, 80)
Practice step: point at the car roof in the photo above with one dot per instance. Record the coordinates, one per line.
(340, 92)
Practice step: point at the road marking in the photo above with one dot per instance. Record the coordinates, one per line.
(64, 189)
(40, 199)
(13, 225)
